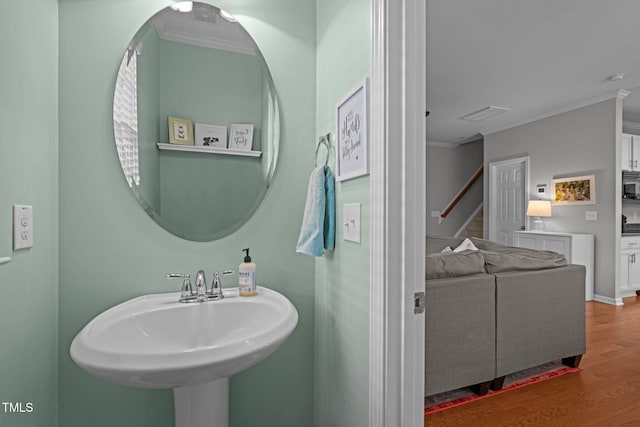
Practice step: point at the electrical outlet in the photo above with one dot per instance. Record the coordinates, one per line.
(351, 222)
(22, 227)
(435, 214)
(591, 215)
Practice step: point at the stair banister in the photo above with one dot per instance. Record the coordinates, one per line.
(461, 194)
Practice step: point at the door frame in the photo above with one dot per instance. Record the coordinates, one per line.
(397, 223)
(493, 166)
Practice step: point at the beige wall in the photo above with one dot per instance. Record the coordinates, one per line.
(578, 142)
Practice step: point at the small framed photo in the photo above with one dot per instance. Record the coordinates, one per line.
(352, 144)
(577, 190)
(211, 136)
(180, 131)
(241, 137)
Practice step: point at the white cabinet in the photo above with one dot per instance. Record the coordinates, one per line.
(630, 265)
(630, 152)
(576, 247)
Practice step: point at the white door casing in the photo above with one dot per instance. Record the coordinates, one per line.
(508, 196)
(397, 223)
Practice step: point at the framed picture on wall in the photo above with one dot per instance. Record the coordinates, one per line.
(241, 137)
(211, 136)
(577, 190)
(352, 144)
(180, 131)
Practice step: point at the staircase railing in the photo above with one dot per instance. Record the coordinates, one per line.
(452, 204)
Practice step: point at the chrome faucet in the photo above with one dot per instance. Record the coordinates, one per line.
(201, 286)
(201, 293)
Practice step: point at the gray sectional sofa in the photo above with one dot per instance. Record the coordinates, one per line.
(498, 310)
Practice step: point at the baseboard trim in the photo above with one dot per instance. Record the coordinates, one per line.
(629, 293)
(607, 300)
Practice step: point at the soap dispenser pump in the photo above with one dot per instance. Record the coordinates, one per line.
(247, 276)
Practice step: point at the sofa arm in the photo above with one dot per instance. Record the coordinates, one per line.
(459, 332)
(540, 317)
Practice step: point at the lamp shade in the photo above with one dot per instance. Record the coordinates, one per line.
(539, 208)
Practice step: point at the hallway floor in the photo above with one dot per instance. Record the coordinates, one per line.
(605, 393)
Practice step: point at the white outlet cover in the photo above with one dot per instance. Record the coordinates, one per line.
(591, 215)
(351, 222)
(22, 227)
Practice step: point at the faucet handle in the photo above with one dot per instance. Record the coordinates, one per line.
(185, 292)
(216, 285)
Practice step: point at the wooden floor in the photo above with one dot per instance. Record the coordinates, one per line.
(605, 393)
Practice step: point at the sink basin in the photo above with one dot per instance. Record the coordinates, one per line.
(154, 341)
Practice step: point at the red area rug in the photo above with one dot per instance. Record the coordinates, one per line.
(450, 399)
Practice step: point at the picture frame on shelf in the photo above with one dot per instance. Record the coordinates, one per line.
(213, 136)
(241, 137)
(180, 131)
(577, 190)
(352, 143)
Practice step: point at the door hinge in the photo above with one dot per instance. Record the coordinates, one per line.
(418, 303)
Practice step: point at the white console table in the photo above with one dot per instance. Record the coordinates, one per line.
(576, 247)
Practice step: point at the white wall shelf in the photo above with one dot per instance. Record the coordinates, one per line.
(208, 150)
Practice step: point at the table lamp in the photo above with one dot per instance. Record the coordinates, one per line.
(539, 209)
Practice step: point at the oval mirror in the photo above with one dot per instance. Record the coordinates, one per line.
(196, 121)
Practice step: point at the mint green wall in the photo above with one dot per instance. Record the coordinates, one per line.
(342, 278)
(195, 84)
(207, 195)
(111, 251)
(29, 175)
(199, 197)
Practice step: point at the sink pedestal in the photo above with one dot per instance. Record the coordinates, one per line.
(204, 405)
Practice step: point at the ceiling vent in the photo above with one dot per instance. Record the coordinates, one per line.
(485, 113)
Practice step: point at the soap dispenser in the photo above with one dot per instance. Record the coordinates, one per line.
(247, 276)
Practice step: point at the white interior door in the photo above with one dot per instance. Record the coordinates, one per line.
(507, 198)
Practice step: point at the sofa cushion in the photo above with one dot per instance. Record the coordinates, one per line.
(454, 264)
(435, 244)
(500, 258)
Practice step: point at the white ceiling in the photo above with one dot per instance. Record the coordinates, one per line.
(536, 57)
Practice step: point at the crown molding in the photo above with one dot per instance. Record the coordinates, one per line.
(443, 144)
(619, 94)
(198, 40)
(622, 94)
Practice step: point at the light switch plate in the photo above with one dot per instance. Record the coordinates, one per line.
(22, 227)
(591, 215)
(351, 222)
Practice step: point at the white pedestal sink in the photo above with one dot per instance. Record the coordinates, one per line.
(154, 341)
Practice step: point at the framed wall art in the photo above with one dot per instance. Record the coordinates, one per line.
(577, 190)
(180, 131)
(352, 144)
(211, 136)
(241, 137)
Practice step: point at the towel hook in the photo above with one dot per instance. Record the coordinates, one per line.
(326, 141)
